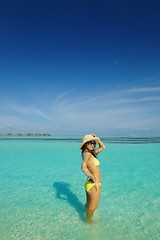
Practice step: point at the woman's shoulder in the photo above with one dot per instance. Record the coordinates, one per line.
(86, 154)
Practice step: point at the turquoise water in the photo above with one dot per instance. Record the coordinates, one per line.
(42, 193)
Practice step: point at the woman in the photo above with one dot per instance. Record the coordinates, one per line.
(90, 167)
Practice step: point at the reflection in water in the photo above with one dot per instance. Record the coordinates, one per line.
(63, 192)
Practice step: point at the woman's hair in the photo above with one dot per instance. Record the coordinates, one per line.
(92, 152)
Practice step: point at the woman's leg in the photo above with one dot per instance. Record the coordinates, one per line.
(93, 197)
(87, 200)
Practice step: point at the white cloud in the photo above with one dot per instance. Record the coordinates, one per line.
(112, 64)
(68, 112)
(9, 123)
(145, 89)
(27, 110)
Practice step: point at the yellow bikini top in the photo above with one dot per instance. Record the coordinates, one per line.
(96, 162)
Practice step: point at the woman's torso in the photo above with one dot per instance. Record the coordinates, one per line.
(93, 167)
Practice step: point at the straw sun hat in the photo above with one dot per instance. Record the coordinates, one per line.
(88, 138)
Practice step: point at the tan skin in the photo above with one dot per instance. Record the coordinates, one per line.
(93, 172)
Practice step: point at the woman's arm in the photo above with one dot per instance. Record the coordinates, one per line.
(101, 145)
(85, 169)
(100, 148)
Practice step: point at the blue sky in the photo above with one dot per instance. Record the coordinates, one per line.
(75, 67)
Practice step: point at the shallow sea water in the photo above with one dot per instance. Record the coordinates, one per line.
(42, 190)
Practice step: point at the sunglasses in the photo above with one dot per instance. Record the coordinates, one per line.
(91, 142)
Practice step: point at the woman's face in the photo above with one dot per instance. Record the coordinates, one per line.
(90, 145)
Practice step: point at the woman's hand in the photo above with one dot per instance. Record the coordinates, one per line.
(94, 135)
(96, 182)
(94, 179)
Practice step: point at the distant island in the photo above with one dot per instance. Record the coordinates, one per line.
(26, 134)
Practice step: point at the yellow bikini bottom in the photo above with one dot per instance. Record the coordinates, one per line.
(88, 185)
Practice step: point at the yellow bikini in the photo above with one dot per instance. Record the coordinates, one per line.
(89, 183)
(96, 162)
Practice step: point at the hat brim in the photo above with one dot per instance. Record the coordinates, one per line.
(96, 139)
